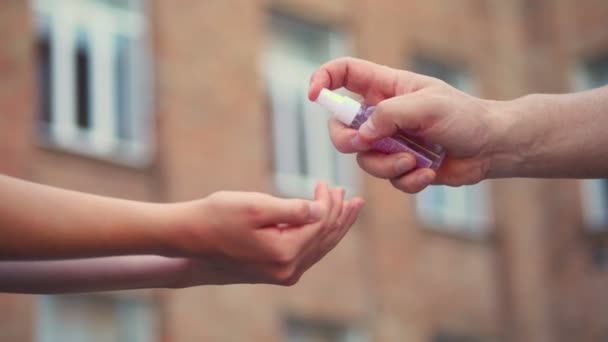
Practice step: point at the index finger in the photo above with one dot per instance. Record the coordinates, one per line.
(373, 81)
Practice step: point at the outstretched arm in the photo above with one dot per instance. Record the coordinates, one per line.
(225, 238)
(42, 222)
(90, 275)
(534, 136)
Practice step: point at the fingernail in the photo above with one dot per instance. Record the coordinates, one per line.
(404, 165)
(358, 144)
(368, 128)
(315, 211)
(425, 179)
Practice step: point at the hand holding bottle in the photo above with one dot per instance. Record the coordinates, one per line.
(425, 106)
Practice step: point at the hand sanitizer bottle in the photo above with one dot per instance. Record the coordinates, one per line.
(353, 114)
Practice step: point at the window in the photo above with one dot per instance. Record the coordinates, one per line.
(447, 337)
(593, 74)
(303, 153)
(298, 330)
(595, 204)
(96, 318)
(453, 75)
(93, 71)
(599, 255)
(465, 209)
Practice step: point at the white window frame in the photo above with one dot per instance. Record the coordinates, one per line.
(594, 199)
(460, 210)
(346, 333)
(286, 77)
(465, 209)
(133, 319)
(62, 21)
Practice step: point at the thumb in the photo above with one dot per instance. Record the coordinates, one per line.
(414, 112)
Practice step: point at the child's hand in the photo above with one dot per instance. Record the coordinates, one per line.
(237, 237)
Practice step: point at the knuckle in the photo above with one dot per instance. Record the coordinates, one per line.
(438, 100)
(216, 199)
(291, 281)
(294, 279)
(382, 110)
(453, 181)
(347, 60)
(301, 211)
(286, 276)
(441, 83)
(222, 194)
(429, 100)
(325, 224)
(212, 199)
(217, 196)
(253, 211)
(384, 118)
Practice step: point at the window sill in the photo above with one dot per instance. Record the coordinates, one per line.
(121, 153)
(596, 231)
(483, 236)
(455, 224)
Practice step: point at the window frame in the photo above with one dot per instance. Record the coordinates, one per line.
(127, 312)
(343, 331)
(322, 160)
(60, 26)
(594, 202)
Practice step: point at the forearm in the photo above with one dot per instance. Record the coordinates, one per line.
(41, 222)
(553, 136)
(90, 275)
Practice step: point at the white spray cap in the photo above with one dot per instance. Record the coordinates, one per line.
(343, 108)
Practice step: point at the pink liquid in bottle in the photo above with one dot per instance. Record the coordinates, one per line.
(428, 155)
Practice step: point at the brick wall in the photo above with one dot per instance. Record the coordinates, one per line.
(16, 87)
(391, 277)
(16, 115)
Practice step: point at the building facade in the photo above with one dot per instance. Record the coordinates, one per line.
(172, 100)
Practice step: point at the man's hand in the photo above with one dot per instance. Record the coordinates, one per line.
(463, 124)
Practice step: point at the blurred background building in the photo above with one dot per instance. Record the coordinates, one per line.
(173, 100)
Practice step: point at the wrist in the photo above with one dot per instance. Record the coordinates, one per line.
(185, 231)
(130, 228)
(513, 138)
(155, 225)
